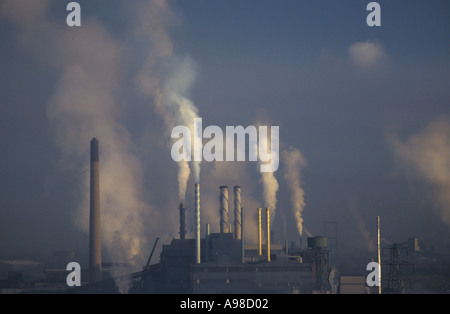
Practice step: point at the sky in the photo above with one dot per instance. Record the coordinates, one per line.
(363, 114)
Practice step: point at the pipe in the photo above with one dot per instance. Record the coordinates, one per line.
(197, 223)
(379, 253)
(242, 236)
(268, 233)
(182, 221)
(95, 246)
(259, 233)
(207, 243)
(237, 212)
(224, 228)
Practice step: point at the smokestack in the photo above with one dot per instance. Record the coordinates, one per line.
(242, 236)
(379, 253)
(259, 232)
(207, 243)
(182, 221)
(237, 212)
(95, 245)
(197, 223)
(224, 209)
(268, 233)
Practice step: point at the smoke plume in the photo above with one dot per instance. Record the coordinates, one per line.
(181, 108)
(364, 238)
(268, 180)
(82, 106)
(294, 162)
(425, 157)
(165, 78)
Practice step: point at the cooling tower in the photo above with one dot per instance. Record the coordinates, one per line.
(95, 249)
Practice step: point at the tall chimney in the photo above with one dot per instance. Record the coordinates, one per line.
(207, 243)
(259, 232)
(224, 209)
(182, 221)
(237, 212)
(242, 236)
(197, 223)
(379, 253)
(268, 233)
(95, 245)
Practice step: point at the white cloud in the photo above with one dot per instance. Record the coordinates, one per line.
(366, 54)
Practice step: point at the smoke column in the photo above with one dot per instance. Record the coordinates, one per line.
(165, 78)
(268, 179)
(182, 111)
(294, 162)
(88, 64)
(270, 189)
(365, 238)
(425, 157)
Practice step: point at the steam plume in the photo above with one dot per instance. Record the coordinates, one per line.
(165, 78)
(294, 162)
(268, 179)
(426, 157)
(182, 109)
(364, 238)
(83, 105)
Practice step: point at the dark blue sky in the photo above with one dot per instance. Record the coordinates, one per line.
(336, 87)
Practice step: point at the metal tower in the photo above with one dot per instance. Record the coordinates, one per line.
(393, 280)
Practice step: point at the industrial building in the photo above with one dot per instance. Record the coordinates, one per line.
(218, 263)
(222, 271)
(223, 263)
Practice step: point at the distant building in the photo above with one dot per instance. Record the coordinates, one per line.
(19, 274)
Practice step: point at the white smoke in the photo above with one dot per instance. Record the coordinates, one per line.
(364, 238)
(309, 234)
(182, 109)
(294, 162)
(165, 78)
(425, 157)
(83, 105)
(270, 189)
(268, 180)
